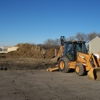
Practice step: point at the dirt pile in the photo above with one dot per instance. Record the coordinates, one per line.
(30, 50)
(26, 50)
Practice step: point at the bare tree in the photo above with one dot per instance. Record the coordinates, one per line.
(91, 36)
(57, 42)
(49, 42)
(71, 38)
(52, 43)
(81, 37)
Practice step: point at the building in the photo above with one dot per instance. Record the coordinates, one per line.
(6, 49)
(94, 45)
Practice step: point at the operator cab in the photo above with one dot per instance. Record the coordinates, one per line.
(72, 47)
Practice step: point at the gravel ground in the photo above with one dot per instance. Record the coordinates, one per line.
(27, 79)
(43, 85)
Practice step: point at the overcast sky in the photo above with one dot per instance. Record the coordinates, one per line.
(34, 21)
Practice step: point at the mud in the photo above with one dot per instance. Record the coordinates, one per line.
(25, 63)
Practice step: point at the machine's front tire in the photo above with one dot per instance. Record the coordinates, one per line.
(79, 69)
(63, 65)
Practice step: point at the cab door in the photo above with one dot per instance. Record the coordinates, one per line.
(68, 51)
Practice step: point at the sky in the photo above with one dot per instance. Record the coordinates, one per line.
(35, 21)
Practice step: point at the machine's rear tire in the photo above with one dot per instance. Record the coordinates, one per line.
(63, 64)
(79, 69)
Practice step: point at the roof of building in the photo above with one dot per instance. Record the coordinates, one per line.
(97, 37)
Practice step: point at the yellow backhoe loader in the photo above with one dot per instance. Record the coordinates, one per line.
(73, 55)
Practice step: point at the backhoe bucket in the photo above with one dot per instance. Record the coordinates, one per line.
(54, 60)
(94, 73)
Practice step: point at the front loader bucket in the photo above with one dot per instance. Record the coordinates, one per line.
(94, 73)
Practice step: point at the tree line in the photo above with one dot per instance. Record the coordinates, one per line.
(78, 37)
